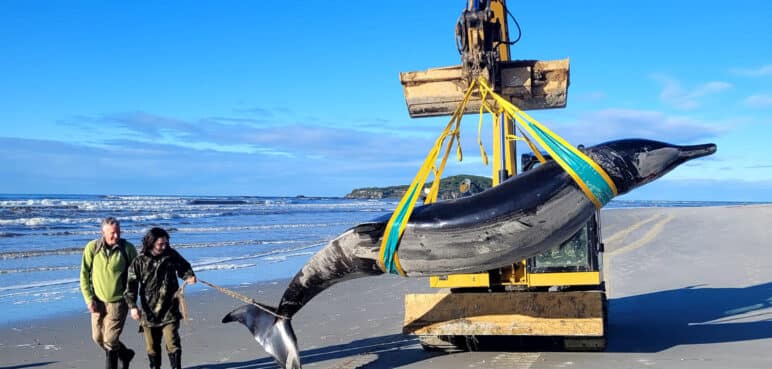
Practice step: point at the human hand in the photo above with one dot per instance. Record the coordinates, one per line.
(191, 280)
(135, 313)
(92, 308)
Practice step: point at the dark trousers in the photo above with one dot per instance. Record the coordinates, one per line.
(170, 334)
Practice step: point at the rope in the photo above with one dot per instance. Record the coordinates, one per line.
(231, 293)
(181, 298)
(389, 260)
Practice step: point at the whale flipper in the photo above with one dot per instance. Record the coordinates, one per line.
(273, 333)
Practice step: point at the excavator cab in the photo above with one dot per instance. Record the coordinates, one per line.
(579, 254)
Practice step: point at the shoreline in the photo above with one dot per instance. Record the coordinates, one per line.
(686, 285)
(67, 299)
(64, 341)
(190, 291)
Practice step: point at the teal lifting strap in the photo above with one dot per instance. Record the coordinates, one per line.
(589, 175)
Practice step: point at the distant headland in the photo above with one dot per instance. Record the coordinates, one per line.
(450, 188)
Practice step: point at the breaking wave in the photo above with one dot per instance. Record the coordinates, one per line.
(191, 245)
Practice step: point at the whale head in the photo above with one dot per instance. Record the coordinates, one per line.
(632, 163)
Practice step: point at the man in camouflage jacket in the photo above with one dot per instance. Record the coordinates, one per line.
(153, 277)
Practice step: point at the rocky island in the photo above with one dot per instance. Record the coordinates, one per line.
(450, 188)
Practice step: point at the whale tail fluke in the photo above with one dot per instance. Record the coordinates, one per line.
(275, 334)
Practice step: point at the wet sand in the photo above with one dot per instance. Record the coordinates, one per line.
(688, 288)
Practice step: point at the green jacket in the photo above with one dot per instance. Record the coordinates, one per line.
(103, 270)
(154, 279)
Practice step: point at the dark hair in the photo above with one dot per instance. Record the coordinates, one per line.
(150, 237)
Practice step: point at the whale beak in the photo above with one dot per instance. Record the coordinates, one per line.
(695, 151)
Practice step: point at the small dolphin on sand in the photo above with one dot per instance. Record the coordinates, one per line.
(520, 218)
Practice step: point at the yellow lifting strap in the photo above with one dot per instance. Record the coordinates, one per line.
(389, 260)
(590, 177)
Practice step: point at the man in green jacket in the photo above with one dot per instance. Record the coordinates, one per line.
(103, 278)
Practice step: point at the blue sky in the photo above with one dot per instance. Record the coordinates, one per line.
(265, 98)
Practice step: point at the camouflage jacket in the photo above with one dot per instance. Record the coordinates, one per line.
(154, 278)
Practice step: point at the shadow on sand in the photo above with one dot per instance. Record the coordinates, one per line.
(643, 323)
(32, 365)
(693, 315)
(657, 321)
(375, 353)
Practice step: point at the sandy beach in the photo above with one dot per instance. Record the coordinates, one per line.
(688, 288)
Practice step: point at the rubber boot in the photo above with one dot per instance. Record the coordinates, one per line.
(154, 360)
(125, 355)
(175, 359)
(111, 359)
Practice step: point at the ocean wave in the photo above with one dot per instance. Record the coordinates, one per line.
(36, 253)
(275, 202)
(284, 257)
(40, 269)
(260, 227)
(54, 227)
(26, 203)
(224, 267)
(210, 263)
(219, 260)
(196, 245)
(35, 294)
(47, 221)
(104, 204)
(10, 234)
(78, 250)
(34, 208)
(216, 202)
(39, 284)
(132, 202)
(29, 222)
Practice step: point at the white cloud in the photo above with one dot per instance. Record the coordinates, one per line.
(758, 101)
(342, 150)
(765, 70)
(674, 94)
(139, 167)
(709, 89)
(612, 124)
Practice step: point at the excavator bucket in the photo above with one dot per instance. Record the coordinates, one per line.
(529, 84)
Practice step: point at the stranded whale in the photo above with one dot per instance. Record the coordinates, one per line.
(521, 217)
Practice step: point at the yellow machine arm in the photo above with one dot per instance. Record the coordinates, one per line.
(482, 38)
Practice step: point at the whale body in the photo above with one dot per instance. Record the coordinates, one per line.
(521, 217)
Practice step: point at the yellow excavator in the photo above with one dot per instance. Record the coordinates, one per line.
(559, 293)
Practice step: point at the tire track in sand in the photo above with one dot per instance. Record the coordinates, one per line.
(508, 360)
(660, 219)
